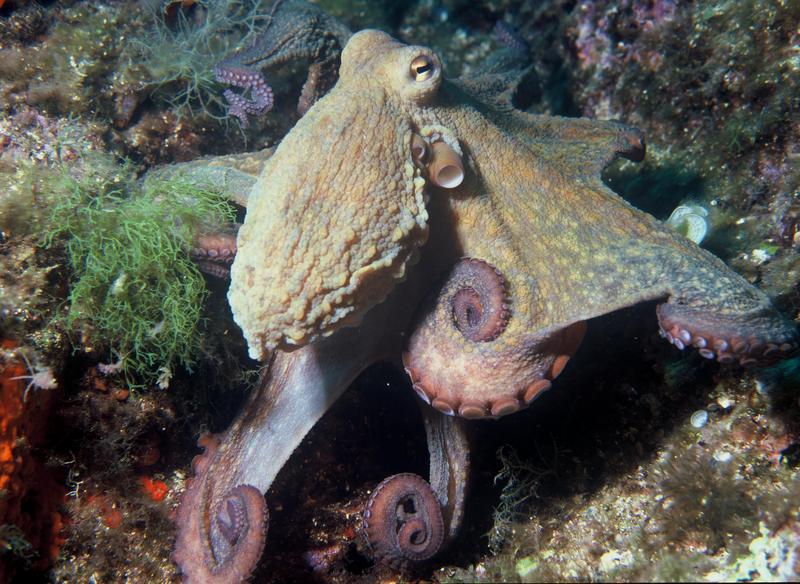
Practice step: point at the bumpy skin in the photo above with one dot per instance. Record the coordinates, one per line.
(338, 213)
(528, 248)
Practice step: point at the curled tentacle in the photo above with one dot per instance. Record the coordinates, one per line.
(403, 520)
(478, 300)
(261, 97)
(223, 542)
(238, 533)
(468, 354)
(407, 519)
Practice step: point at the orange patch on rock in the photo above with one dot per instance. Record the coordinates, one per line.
(154, 488)
(110, 514)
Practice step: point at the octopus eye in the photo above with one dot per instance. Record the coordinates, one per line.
(422, 68)
(478, 302)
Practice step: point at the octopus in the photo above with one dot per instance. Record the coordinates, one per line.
(294, 31)
(412, 217)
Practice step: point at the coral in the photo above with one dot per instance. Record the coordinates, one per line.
(154, 488)
(111, 535)
(135, 293)
(120, 502)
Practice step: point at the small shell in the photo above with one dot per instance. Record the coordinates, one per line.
(690, 221)
(699, 418)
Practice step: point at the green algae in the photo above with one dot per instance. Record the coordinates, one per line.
(135, 292)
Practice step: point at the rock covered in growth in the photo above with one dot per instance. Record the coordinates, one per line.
(712, 86)
(716, 503)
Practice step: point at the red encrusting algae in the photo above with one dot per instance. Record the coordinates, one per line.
(153, 488)
(32, 497)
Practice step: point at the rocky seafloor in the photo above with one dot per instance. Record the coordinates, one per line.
(643, 463)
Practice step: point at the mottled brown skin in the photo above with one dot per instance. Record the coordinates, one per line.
(336, 224)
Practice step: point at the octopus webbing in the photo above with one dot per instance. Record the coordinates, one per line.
(411, 215)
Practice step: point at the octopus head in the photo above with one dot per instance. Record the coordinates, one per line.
(412, 74)
(339, 211)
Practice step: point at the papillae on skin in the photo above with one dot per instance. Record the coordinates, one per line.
(342, 256)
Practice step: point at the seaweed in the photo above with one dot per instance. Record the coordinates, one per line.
(521, 479)
(135, 291)
(175, 57)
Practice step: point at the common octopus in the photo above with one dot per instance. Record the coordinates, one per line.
(411, 215)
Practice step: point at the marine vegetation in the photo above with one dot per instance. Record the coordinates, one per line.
(136, 296)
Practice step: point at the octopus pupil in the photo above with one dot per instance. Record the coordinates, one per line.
(422, 68)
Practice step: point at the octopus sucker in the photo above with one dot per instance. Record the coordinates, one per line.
(478, 298)
(534, 390)
(241, 521)
(214, 252)
(749, 339)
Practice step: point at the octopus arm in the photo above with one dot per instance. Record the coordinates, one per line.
(583, 145)
(221, 522)
(410, 520)
(233, 175)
